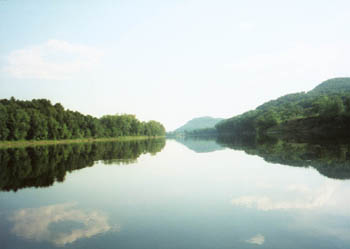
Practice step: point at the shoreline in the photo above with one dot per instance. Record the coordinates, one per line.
(31, 143)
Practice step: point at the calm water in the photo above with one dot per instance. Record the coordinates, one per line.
(176, 194)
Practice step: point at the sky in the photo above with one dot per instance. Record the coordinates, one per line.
(170, 61)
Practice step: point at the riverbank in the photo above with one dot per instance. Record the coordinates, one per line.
(28, 143)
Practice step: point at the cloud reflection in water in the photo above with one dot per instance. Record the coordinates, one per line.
(34, 223)
(257, 240)
(308, 199)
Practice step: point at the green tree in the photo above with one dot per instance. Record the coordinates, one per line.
(38, 126)
(4, 131)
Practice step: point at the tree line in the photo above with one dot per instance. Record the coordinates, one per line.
(39, 119)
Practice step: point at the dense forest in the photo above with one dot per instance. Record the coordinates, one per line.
(325, 110)
(41, 166)
(38, 119)
(207, 132)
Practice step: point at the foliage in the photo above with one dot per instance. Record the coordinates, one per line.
(207, 132)
(198, 123)
(38, 119)
(335, 85)
(329, 100)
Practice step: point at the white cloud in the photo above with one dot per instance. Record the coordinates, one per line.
(34, 223)
(52, 60)
(257, 240)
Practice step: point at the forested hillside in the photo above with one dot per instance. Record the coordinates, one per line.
(326, 107)
(200, 124)
(38, 119)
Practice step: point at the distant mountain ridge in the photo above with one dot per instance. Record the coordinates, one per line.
(198, 123)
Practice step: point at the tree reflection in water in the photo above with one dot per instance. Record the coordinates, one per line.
(43, 165)
(330, 158)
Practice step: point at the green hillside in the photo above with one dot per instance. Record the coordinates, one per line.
(325, 110)
(198, 123)
(336, 85)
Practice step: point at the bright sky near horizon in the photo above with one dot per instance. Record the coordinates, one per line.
(170, 61)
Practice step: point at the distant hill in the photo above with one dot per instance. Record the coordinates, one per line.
(198, 123)
(324, 111)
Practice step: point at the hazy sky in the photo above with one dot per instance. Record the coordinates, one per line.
(170, 61)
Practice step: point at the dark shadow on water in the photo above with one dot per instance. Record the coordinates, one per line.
(42, 166)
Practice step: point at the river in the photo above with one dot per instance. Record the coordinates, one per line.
(176, 194)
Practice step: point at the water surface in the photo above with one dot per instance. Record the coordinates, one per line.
(148, 194)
